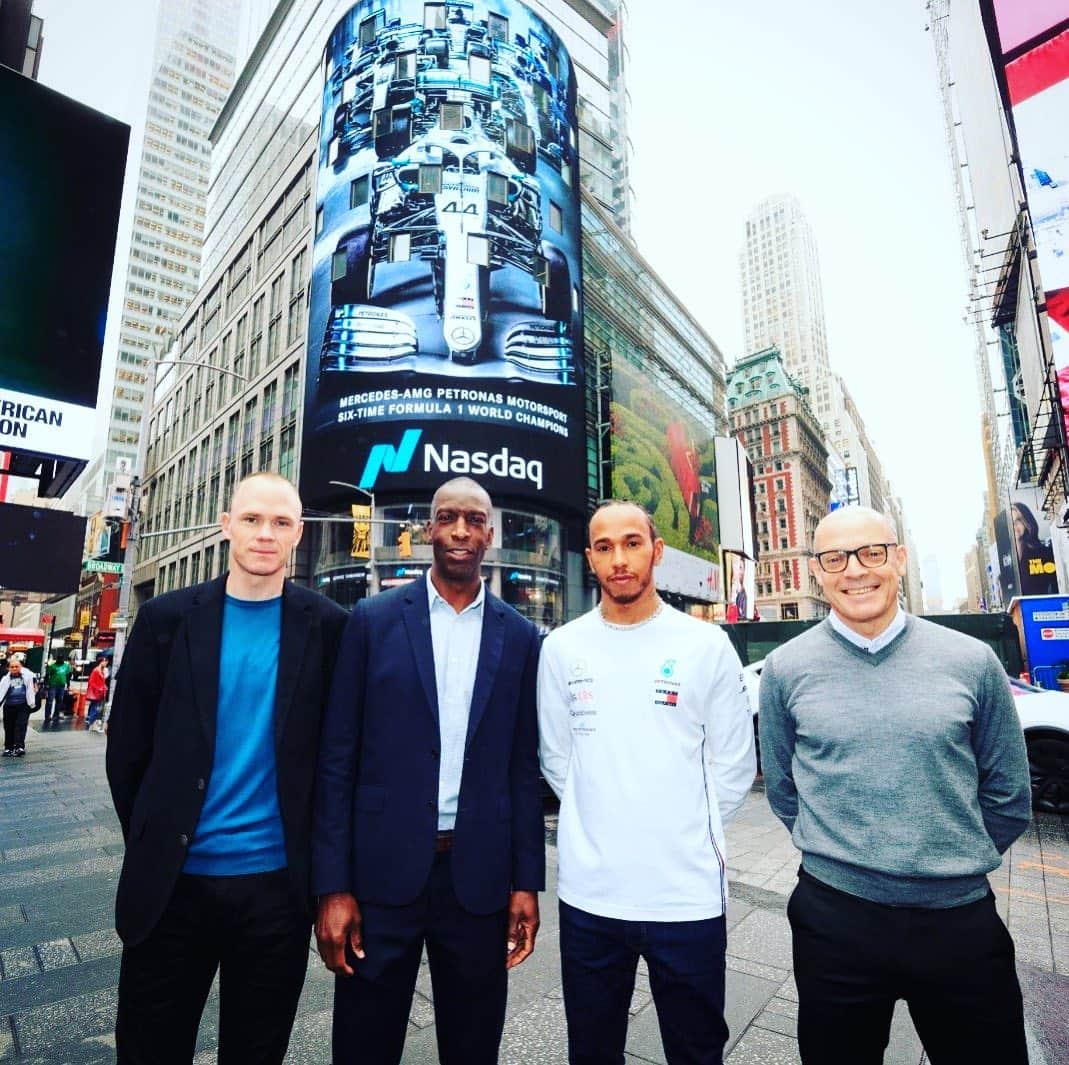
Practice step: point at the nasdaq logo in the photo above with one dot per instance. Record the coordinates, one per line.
(390, 459)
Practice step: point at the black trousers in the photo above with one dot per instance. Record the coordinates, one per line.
(251, 930)
(853, 959)
(466, 954)
(16, 718)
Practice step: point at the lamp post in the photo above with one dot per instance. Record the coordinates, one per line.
(373, 578)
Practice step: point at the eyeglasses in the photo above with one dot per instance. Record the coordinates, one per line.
(870, 556)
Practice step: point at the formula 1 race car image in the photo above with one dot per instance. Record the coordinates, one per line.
(452, 158)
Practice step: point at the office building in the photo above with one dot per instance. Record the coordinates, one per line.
(21, 37)
(783, 307)
(771, 416)
(1004, 138)
(251, 318)
(192, 74)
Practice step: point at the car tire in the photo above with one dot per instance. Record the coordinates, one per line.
(1048, 767)
(354, 287)
(557, 291)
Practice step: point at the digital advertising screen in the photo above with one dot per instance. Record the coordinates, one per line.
(1034, 45)
(735, 495)
(40, 549)
(61, 178)
(1036, 571)
(445, 323)
(664, 461)
(1008, 582)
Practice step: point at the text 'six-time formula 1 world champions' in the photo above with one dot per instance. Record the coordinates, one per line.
(446, 290)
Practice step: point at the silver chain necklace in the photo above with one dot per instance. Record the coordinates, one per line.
(634, 625)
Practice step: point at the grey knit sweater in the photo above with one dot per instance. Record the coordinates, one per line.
(902, 775)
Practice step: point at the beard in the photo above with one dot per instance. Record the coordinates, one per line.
(626, 598)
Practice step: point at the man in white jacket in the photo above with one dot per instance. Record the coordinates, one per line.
(647, 738)
(18, 696)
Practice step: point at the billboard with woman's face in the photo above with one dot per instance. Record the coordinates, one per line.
(1028, 525)
(445, 325)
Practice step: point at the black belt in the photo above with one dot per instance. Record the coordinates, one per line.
(443, 842)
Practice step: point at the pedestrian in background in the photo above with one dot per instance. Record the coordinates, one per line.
(18, 696)
(647, 738)
(428, 826)
(95, 693)
(211, 754)
(892, 751)
(57, 681)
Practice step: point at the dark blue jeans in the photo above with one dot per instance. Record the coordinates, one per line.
(56, 695)
(685, 959)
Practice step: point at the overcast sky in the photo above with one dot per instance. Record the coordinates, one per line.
(731, 102)
(839, 104)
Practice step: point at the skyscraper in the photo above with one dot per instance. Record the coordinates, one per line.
(783, 307)
(782, 302)
(193, 72)
(772, 418)
(250, 319)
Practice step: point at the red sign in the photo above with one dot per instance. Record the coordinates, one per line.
(47, 619)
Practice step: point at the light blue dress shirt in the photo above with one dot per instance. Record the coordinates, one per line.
(455, 639)
(878, 643)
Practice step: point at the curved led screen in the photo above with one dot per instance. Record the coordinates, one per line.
(445, 325)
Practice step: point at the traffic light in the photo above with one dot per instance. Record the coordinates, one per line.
(361, 532)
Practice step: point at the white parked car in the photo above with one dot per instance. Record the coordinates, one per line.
(1044, 718)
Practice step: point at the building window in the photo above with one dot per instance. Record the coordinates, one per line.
(296, 311)
(267, 426)
(371, 27)
(790, 612)
(497, 27)
(289, 395)
(209, 563)
(287, 452)
(451, 116)
(256, 343)
(274, 325)
(434, 16)
(194, 568)
(359, 193)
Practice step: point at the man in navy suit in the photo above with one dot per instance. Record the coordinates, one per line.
(428, 821)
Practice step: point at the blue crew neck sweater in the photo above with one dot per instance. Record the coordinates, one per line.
(240, 827)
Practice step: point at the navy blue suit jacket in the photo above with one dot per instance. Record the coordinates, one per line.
(376, 803)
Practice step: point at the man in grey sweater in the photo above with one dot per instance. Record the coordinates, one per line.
(892, 751)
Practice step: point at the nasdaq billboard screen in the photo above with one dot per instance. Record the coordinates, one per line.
(445, 324)
(61, 177)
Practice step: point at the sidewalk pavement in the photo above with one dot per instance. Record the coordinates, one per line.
(60, 852)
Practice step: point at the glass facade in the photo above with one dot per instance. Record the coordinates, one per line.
(525, 567)
(248, 318)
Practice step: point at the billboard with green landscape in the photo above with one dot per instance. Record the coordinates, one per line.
(664, 460)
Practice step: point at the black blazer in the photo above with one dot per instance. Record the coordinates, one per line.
(377, 787)
(161, 736)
